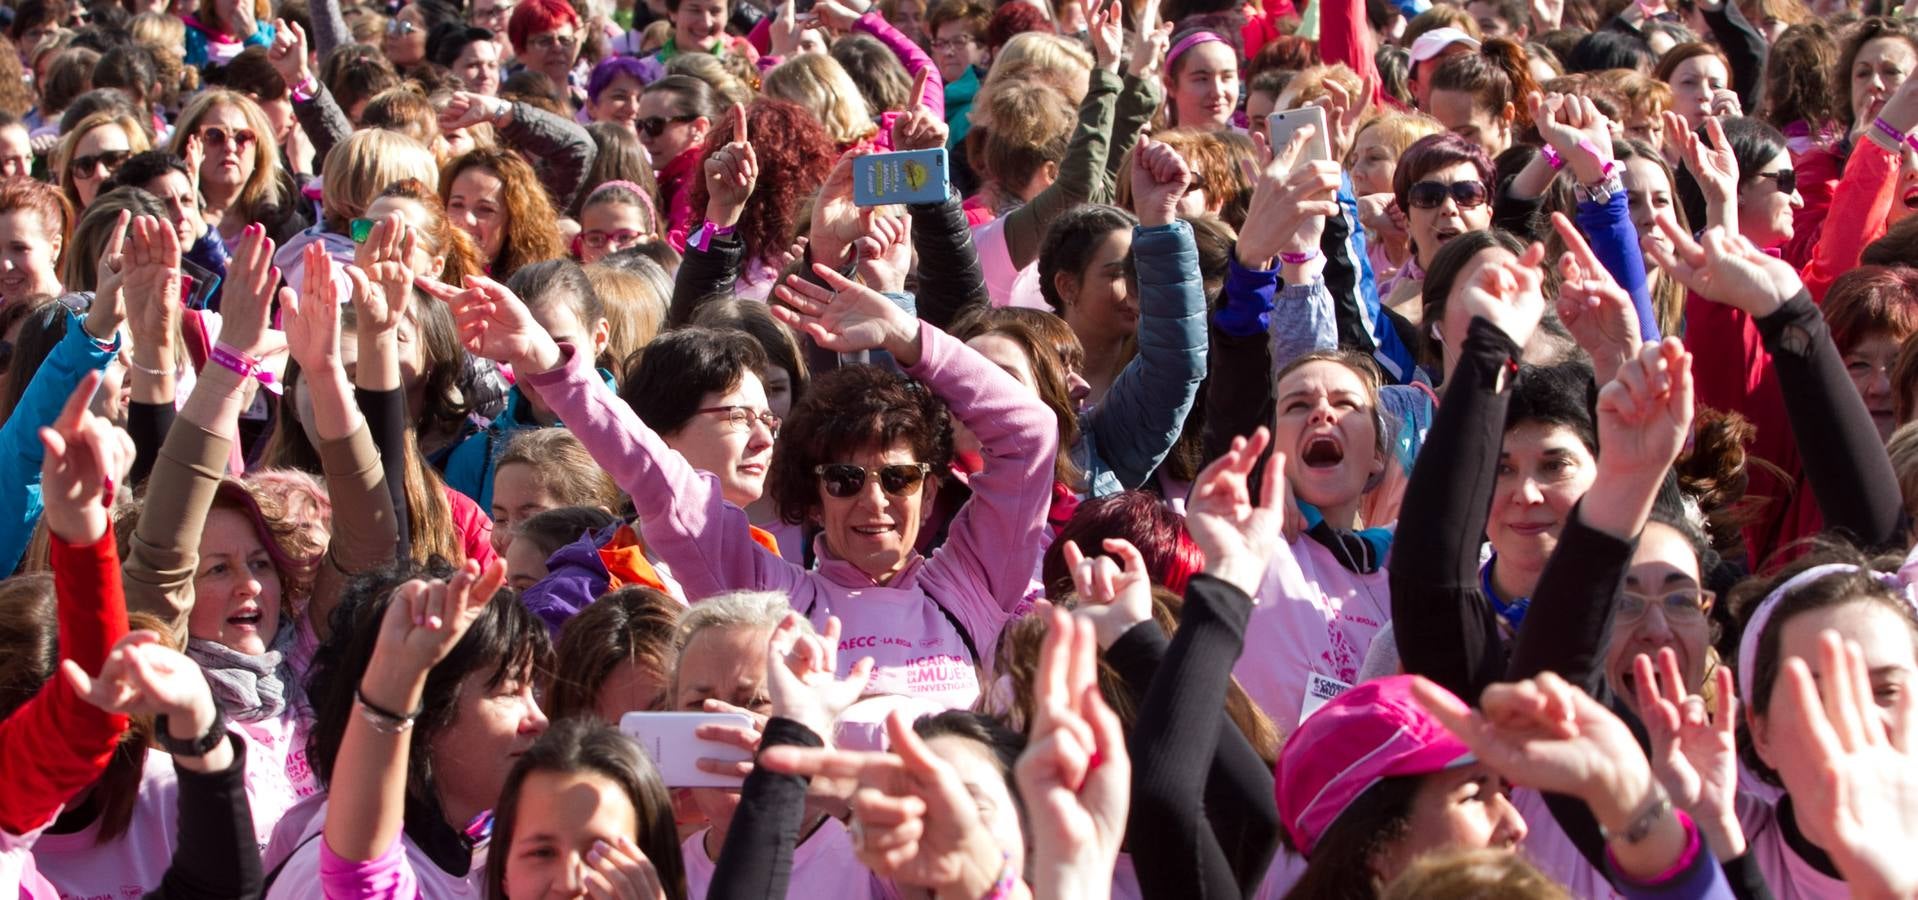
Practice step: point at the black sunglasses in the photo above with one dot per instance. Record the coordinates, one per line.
(654, 126)
(1787, 179)
(1432, 194)
(845, 479)
(111, 159)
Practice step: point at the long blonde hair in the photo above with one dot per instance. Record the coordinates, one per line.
(63, 155)
(820, 84)
(265, 189)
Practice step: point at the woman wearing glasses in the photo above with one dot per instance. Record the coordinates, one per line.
(1442, 185)
(92, 151)
(241, 179)
(854, 457)
(546, 37)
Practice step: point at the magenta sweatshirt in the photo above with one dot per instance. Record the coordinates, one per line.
(975, 580)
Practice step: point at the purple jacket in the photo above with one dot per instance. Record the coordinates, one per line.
(575, 577)
(927, 627)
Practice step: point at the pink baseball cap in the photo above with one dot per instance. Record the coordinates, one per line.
(1432, 43)
(1374, 731)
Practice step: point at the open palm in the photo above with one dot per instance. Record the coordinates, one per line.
(842, 316)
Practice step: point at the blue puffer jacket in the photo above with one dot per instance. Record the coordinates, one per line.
(469, 469)
(20, 451)
(1124, 438)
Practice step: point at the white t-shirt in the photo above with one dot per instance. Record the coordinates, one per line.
(127, 866)
(823, 867)
(277, 774)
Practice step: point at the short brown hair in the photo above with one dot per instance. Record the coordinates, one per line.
(1483, 874)
(1872, 300)
(563, 466)
(634, 624)
(976, 15)
(850, 409)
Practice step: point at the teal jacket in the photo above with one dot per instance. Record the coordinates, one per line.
(470, 467)
(20, 451)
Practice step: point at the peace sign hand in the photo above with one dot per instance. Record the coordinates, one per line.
(1694, 754)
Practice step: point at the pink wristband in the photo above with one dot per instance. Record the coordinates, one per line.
(1299, 259)
(1556, 161)
(245, 366)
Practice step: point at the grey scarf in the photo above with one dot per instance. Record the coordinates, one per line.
(249, 688)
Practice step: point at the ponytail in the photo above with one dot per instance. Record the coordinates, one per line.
(1498, 74)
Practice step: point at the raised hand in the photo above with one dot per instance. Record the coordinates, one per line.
(144, 677)
(1111, 599)
(732, 171)
(465, 109)
(247, 299)
(885, 253)
(1290, 201)
(494, 323)
(1645, 413)
(802, 675)
(1160, 177)
(847, 317)
(1694, 752)
(1344, 111)
(1860, 801)
(1577, 130)
(1074, 775)
(425, 619)
(1901, 110)
(1724, 267)
(839, 15)
(85, 457)
(914, 821)
(919, 129)
(1105, 29)
(382, 276)
(837, 221)
(1598, 312)
(150, 288)
(1237, 536)
(108, 310)
(288, 53)
(784, 33)
(1155, 37)
(621, 871)
(1712, 164)
(1547, 734)
(312, 316)
(1505, 292)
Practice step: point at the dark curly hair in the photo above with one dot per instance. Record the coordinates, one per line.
(791, 169)
(850, 409)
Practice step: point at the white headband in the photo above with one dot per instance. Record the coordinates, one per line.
(1903, 582)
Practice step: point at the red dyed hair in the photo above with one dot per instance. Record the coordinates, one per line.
(792, 166)
(1171, 556)
(538, 17)
(1012, 20)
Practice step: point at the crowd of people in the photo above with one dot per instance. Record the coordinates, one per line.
(1385, 449)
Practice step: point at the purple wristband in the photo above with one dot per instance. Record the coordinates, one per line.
(1551, 156)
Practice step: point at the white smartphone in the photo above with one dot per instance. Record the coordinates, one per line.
(1282, 125)
(668, 738)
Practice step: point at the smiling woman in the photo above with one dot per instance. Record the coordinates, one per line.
(93, 150)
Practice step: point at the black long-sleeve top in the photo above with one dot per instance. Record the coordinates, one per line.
(1445, 629)
(147, 424)
(1237, 780)
(216, 856)
(703, 275)
(756, 861)
(1178, 853)
(951, 283)
(386, 417)
(1745, 49)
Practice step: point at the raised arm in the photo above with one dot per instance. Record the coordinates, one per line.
(78, 354)
(1864, 193)
(1345, 37)
(1180, 718)
(1137, 423)
(1744, 45)
(564, 149)
(56, 744)
(950, 280)
(423, 622)
(165, 550)
(704, 539)
(1446, 628)
(1117, 604)
(712, 260)
(320, 115)
(1078, 172)
(931, 89)
(382, 294)
(1843, 456)
(1581, 135)
(365, 531)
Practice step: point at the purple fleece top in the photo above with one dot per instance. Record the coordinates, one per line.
(976, 579)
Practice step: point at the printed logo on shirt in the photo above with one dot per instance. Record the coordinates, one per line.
(1320, 690)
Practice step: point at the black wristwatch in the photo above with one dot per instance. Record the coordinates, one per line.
(199, 746)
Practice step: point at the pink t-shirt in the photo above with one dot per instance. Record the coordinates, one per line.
(1314, 618)
(277, 774)
(823, 867)
(287, 832)
(129, 865)
(1549, 848)
(1788, 874)
(1006, 285)
(403, 873)
(18, 875)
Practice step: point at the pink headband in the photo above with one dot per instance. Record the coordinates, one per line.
(622, 184)
(1188, 42)
(1901, 582)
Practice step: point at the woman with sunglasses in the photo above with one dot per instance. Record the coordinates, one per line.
(1443, 185)
(92, 151)
(854, 457)
(675, 115)
(240, 178)
(405, 40)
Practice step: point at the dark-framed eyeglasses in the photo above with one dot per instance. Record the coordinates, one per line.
(106, 162)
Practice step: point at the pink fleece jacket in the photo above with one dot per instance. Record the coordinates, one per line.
(906, 625)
